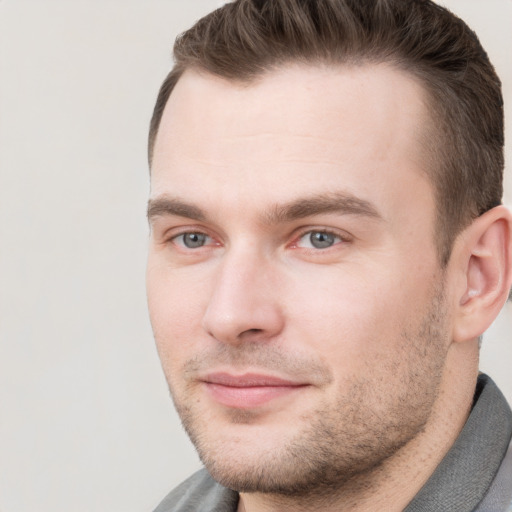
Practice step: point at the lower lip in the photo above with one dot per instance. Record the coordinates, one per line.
(248, 397)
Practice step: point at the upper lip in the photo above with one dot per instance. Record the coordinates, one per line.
(248, 380)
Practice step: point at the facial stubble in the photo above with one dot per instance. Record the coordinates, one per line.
(337, 442)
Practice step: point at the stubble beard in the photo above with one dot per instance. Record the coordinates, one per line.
(344, 441)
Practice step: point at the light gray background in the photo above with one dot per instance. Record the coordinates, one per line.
(86, 423)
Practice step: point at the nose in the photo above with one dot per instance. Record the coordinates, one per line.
(244, 303)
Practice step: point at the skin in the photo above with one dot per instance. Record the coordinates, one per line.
(359, 326)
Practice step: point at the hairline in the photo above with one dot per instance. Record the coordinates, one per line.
(431, 103)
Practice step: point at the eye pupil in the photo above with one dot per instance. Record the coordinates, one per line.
(321, 240)
(194, 240)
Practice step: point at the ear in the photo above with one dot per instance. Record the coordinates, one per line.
(484, 253)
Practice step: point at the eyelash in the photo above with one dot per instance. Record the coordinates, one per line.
(343, 238)
(172, 239)
(294, 244)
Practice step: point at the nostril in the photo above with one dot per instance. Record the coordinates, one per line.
(251, 335)
(254, 330)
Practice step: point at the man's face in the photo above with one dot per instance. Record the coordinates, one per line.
(293, 283)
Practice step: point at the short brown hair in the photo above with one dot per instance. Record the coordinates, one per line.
(246, 38)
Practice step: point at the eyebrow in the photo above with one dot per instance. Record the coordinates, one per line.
(333, 202)
(173, 206)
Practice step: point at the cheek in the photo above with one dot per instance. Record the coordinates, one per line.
(353, 318)
(175, 310)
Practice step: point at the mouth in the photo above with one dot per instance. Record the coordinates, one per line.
(249, 390)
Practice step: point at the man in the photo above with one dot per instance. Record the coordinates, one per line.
(327, 248)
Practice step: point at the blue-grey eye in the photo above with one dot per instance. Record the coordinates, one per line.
(193, 240)
(322, 240)
(318, 240)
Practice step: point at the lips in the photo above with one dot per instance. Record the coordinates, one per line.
(248, 390)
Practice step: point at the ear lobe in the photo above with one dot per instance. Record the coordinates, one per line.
(486, 249)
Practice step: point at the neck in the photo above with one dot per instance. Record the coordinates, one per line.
(395, 482)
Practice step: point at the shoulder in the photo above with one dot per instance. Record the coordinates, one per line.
(199, 493)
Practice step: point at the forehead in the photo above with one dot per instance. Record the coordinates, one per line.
(360, 126)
